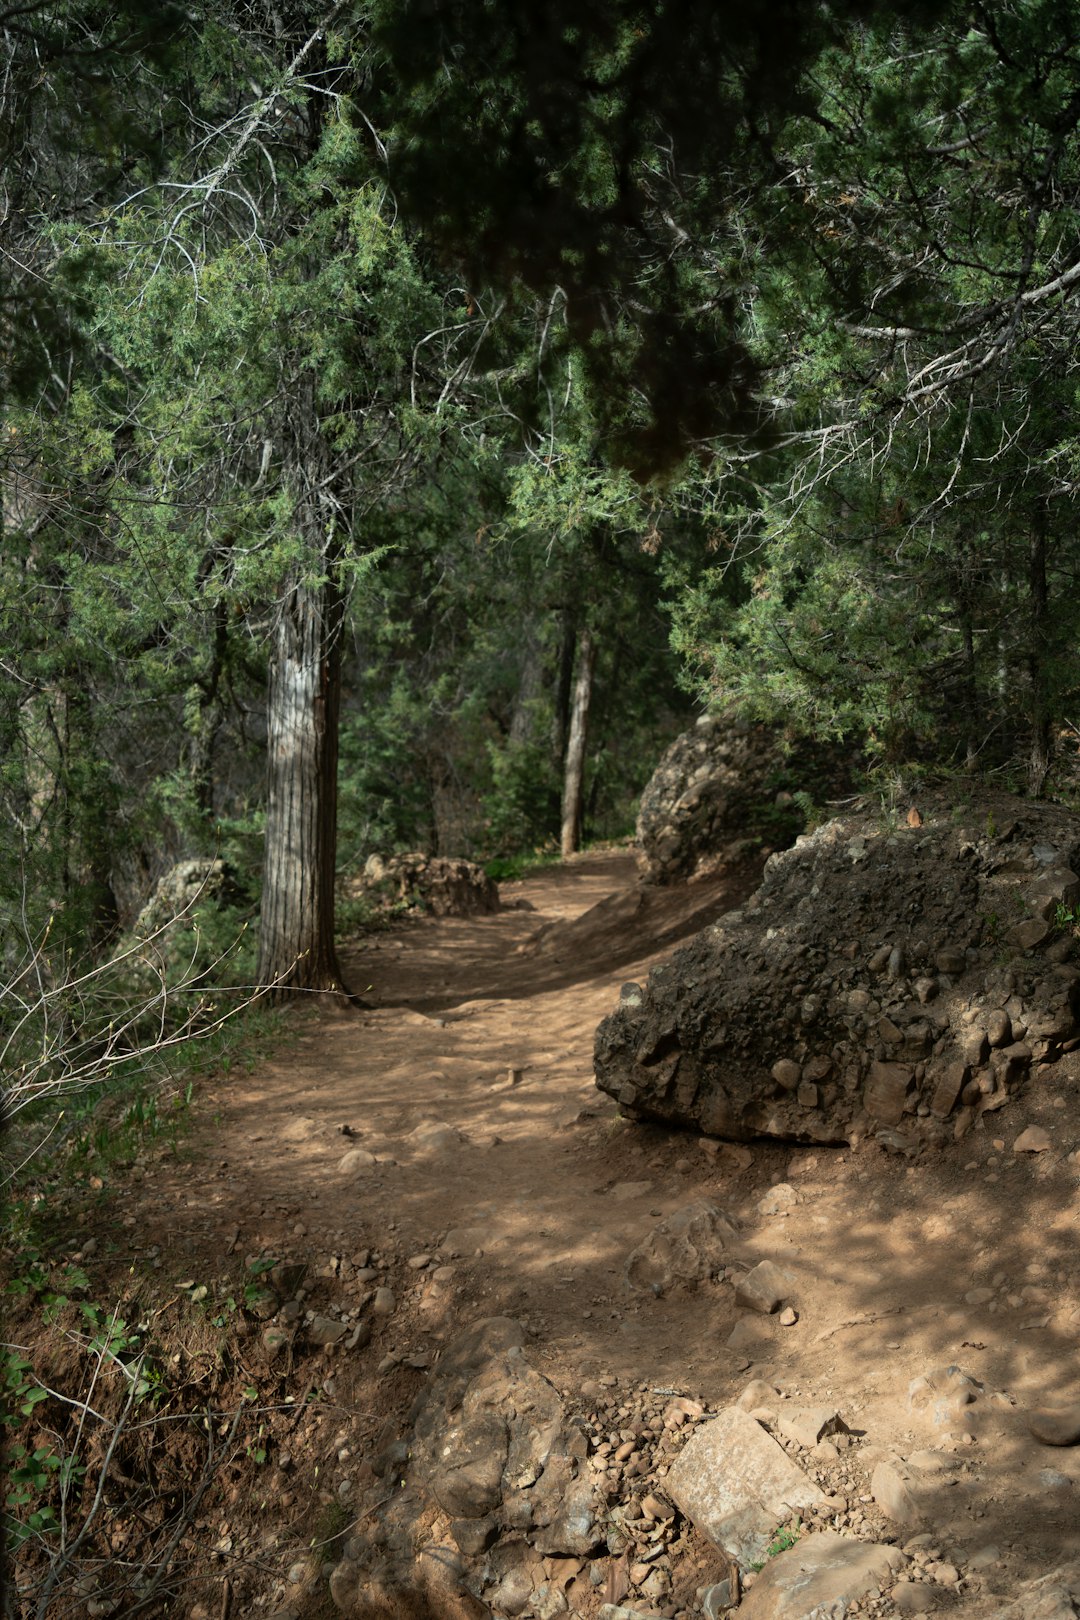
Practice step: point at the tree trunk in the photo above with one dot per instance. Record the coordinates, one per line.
(574, 778)
(564, 681)
(971, 693)
(1041, 746)
(296, 939)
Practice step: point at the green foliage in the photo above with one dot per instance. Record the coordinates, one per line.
(521, 808)
(785, 1538)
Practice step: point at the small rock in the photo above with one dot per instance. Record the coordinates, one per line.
(806, 1425)
(764, 1289)
(1033, 1140)
(787, 1074)
(788, 1316)
(1056, 1426)
(384, 1303)
(912, 1597)
(327, 1330)
(356, 1159)
(999, 1027)
(779, 1200)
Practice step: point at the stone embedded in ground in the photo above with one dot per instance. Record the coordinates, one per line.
(806, 1425)
(1033, 1140)
(765, 1288)
(1056, 1426)
(895, 1489)
(757, 1394)
(821, 1575)
(492, 1437)
(327, 1330)
(737, 1484)
(356, 1159)
(434, 1136)
(616, 1611)
(683, 1251)
(779, 1200)
(913, 1597)
(1055, 1596)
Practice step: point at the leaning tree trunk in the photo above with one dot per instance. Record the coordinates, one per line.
(296, 938)
(574, 778)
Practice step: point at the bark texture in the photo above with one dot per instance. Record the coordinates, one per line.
(574, 779)
(296, 941)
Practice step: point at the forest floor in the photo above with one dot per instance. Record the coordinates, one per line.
(466, 1082)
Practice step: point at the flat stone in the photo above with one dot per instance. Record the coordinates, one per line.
(806, 1425)
(913, 1597)
(822, 1575)
(1055, 1596)
(765, 1288)
(1056, 1426)
(885, 1094)
(895, 1493)
(327, 1330)
(1033, 1140)
(737, 1484)
(1026, 936)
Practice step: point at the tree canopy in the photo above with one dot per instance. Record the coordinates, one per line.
(382, 384)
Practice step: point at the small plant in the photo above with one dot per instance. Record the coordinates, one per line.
(1067, 918)
(781, 1541)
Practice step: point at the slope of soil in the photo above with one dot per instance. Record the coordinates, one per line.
(488, 1160)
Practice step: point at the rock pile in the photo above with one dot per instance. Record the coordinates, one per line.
(437, 884)
(894, 980)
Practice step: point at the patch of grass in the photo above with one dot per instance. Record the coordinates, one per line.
(511, 868)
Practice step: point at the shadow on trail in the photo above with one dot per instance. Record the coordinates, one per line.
(515, 955)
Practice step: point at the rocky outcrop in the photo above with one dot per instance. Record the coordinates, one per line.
(180, 890)
(900, 980)
(495, 1448)
(432, 883)
(717, 784)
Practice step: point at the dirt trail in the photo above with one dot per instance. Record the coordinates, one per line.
(469, 1080)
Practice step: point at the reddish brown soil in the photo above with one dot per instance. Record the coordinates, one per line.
(486, 1026)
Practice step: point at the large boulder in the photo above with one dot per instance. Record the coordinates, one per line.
(718, 784)
(895, 979)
